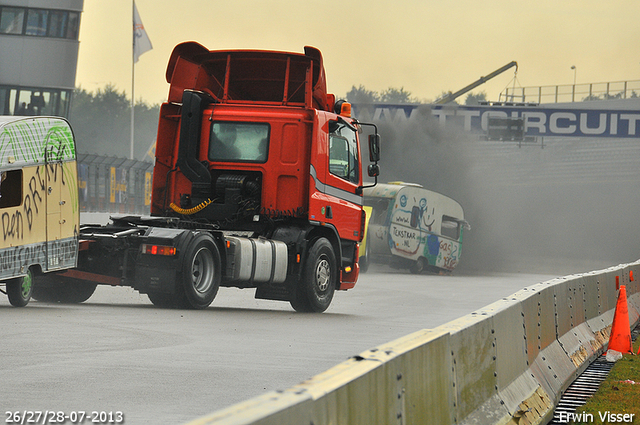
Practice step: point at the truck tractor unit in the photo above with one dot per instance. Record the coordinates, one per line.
(257, 184)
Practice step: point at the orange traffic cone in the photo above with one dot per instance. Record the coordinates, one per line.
(620, 339)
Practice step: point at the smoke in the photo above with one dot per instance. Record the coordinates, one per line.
(565, 206)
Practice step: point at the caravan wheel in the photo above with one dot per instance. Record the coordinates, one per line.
(419, 266)
(19, 290)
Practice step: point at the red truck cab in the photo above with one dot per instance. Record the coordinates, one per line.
(257, 184)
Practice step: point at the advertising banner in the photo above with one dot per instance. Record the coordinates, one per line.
(537, 120)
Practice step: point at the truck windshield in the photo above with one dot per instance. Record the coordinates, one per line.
(343, 153)
(238, 141)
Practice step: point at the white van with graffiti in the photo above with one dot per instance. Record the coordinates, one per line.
(409, 226)
(38, 202)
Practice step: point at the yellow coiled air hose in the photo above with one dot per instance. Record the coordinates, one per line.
(189, 211)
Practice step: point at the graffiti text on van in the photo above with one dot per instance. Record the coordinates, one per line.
(13, 220)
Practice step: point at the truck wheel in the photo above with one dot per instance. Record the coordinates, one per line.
(19, 290)
(59, 289)
(314, 292)
(201, 272)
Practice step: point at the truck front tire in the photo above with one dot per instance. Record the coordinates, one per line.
(19, 290)
(314, 292)
(201, 273)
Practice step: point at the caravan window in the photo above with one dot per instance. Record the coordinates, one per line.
(450, 227)
(10, 188)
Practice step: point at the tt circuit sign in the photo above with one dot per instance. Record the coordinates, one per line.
(532, 120)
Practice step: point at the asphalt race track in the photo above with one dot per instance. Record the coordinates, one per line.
(117, 352)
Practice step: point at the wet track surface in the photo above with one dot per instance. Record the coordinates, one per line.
(117, 352)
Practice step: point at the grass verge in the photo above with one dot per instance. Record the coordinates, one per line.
(618, 395)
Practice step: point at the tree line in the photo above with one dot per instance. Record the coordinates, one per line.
(362, 96)
(101, 123)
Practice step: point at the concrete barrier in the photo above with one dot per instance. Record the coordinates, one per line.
(507, 363)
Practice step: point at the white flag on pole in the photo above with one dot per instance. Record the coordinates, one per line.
(141, 42)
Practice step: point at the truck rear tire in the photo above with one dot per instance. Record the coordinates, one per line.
(201, 273)
(314, 292)
(19, 290)
(59, 289)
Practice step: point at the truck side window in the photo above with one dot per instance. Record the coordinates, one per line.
(343, 153)
(10, 188)
(239, 141)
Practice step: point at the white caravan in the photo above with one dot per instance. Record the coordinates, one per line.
(409, 226)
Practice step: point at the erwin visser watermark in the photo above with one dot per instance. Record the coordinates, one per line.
(606, 417)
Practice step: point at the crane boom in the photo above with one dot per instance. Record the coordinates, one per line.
(451, 97)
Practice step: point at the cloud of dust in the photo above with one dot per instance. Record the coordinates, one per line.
(529, 207)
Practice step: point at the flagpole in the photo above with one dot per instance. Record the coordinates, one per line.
(133, 75)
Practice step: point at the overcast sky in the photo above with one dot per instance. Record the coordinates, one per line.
(424, 46)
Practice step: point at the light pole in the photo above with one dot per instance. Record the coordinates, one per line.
(573, 92)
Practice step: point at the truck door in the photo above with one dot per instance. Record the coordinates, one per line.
(342, 207)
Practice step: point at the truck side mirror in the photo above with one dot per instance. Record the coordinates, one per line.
(373, 170)
(374, 149)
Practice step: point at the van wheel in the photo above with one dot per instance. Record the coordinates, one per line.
(19, 289)
(419, 266)
(314, 292)
(59, 289)
(201, 273)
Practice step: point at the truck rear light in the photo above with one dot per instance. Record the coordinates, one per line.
(158, 249)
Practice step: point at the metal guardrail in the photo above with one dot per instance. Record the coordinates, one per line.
(573, 92)
(116, 185)
(506, 363)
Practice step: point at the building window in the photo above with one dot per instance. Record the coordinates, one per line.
(73, 26)
(4, 101)
(37, 22)
(57, 23)
(12, 20)
(40, 22)
(34, 101)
